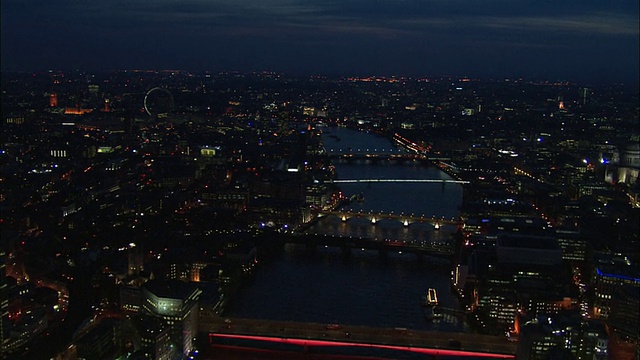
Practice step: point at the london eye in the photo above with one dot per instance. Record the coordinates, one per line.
(158, 102)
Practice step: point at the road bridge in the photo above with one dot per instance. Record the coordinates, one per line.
(405, 219)
(313, 338)
(437, 181)
(400, 157)
(382, 246)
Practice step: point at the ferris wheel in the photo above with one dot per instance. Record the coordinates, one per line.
(158, 102)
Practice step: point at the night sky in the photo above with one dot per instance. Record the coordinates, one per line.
(579, 40)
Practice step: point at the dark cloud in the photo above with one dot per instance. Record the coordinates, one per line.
(413, 37)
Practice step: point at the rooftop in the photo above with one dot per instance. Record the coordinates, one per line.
(175, 289)
(528, 242)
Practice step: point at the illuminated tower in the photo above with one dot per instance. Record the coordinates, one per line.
(106, 105)
(53, 100)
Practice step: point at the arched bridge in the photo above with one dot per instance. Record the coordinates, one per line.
(346, 243)
(406, 219)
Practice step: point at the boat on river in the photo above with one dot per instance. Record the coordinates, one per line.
(430, 304)
(431, 299)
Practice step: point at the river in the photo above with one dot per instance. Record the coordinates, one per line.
(363, 289)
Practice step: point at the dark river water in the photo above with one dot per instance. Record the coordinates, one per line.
(363, 289)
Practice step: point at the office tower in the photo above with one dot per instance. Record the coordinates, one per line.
(611, 274)
(176, 303)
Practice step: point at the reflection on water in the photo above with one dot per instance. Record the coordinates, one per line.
(384, 229)
(325, 286)
(428, 199)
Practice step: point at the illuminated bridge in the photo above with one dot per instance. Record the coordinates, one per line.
(367, 151)
(308, 339)
(397, 155)
(437, 181)
(405, 219)
(346, 243)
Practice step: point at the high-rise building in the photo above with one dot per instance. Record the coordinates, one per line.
(130, 299)
(135, 260)
(561, 336)
(526, 249)
(152, 338)
(612, 273)
(176, 303)
(624, 321)
(100, 342)
(573, 244)
(527, 276)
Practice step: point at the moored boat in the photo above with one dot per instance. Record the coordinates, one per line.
(432, 298)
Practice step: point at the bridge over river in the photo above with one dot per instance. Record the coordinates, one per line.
(341, 339)
(405, 219)
(399, 158)
(382, 246)
(437, 181)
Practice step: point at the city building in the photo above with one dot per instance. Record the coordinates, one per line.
(630, 164)
(573, 245)
(561, 336)
(152, 338)
(611, 273)
(527, 249)
(203, 189)
(99, 342)
(130, 299)
(624, 322)
(176, 303)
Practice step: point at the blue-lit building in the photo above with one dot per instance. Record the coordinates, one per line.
(611, 273)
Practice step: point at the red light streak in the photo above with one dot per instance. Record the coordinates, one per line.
(307, 342)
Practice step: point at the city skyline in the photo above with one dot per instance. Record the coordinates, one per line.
(262, 211)
(591, 42)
